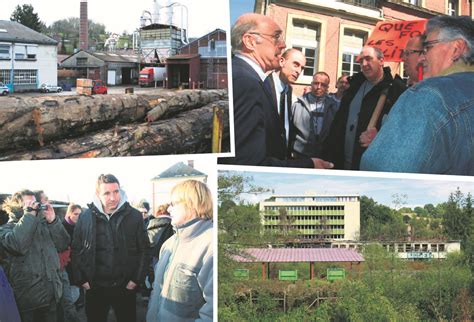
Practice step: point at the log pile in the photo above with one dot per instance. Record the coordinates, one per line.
(110, 125)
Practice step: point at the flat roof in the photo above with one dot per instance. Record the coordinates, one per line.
(295, 255)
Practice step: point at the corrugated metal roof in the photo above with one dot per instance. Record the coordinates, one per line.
(113, 57)
(179, 170)
(182, 56)
(281, 255)
(12, 31)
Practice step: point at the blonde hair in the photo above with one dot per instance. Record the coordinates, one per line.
(195, 196)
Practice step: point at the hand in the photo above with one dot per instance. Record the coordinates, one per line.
(86, 286)
(49, 213)
(131, 286)
(321, 164)
(367, 137)
(32, 204)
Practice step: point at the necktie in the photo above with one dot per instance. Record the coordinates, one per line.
(282, 108)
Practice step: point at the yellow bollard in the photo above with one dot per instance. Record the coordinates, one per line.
(217, 129)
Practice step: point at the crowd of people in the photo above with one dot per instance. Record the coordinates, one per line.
(99, 257)
(374, 121)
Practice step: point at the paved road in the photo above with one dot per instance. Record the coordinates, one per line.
(111, 90)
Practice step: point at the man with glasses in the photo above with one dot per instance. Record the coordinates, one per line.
(369, 88)
(313, 114)
(430, 128)
(257, 43)
(411, 56)
(109, 253)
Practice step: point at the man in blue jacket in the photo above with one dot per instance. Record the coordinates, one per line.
(430, 128)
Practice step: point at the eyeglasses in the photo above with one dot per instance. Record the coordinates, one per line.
(427, 45)
(276, 37)
(407, 52)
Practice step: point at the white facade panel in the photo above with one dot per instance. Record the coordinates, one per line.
(111, 74)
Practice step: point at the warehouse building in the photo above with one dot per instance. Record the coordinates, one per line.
(27, 58)
(313, 217)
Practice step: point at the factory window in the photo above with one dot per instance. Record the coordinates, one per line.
(400, 248)
(5, 76)
(434, 247)
(31, 52)
(352, 42)
(408, 248)
(441, 248)
(417, 247)
(306, 38)
(4, 51)
(424, 247)
(25, 77)
(81, 61)
(452, 7)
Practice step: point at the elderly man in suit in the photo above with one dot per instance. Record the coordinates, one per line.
(257, 43)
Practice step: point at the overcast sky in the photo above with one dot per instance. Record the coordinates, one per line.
(204, 15)
(420, 189)
(74, 180)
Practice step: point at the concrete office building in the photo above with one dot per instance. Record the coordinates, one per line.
(410, 250)
(313, 217)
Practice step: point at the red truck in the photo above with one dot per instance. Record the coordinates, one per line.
(98, 87)
(150, 75)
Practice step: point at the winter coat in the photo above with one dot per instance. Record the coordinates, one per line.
(109, 252)
(183, 287)
(306, 141)
(159, 230)
(334, 146)
(31, 261)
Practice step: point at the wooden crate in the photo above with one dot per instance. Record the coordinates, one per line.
(84, 82)
(84, 90)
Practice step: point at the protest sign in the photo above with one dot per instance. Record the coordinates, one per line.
(392, 36)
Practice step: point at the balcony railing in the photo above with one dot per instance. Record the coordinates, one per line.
(371, 4)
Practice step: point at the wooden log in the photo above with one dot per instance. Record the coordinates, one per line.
(36, 121)
(176, 104)
(188, 132)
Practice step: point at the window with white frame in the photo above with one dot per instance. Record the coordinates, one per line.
(415, 2)
(25, 76)
(4, 51)
(31, 52)
(306, 38)
(5, 76)
(20, 51)
(452, 7)
(352, 43)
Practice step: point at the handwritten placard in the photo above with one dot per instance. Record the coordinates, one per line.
(392, 36)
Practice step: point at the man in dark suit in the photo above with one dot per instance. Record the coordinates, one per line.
(257, 43)
(279, 83)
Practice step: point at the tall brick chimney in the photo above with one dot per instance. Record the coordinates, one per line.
(83, 27)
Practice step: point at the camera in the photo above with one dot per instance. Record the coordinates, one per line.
(38, 207)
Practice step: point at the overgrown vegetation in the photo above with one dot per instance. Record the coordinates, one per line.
(383, 288)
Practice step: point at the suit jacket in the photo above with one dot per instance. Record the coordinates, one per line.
(259, 139)
(269, 84)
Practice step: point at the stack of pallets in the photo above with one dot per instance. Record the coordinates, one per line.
(84, 86)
